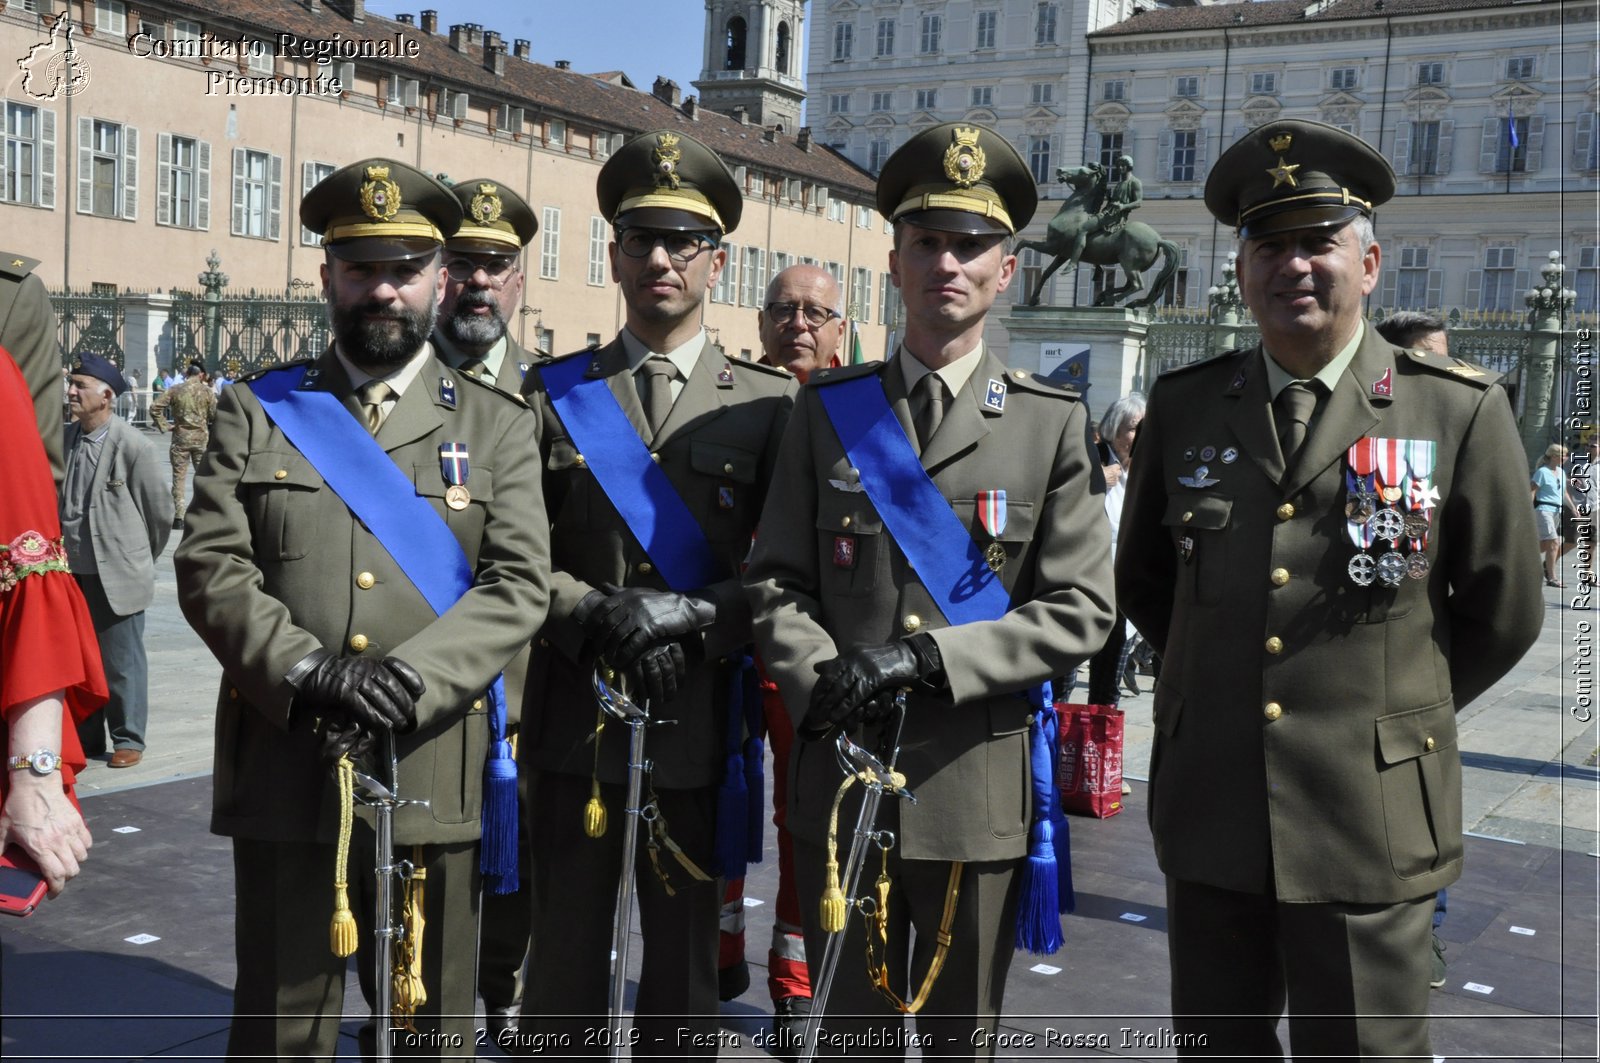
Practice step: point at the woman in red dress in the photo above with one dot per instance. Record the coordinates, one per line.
(50, 674)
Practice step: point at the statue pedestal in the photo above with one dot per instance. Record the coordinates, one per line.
(1096, 346)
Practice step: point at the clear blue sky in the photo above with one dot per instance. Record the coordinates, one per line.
(642, 38)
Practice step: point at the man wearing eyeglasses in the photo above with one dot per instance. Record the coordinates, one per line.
(657, 451)
(801, 324)
(484, 286)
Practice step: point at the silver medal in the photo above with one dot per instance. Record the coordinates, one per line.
(1388, 524)
(1361, 569)
(1391, 569)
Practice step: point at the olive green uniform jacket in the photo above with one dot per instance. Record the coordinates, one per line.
(274, 566)
(193, 406)
(717, 447)
(965, 752)
(28, 333)
(1306, 734)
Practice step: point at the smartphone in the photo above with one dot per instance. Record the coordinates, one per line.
(22, 886)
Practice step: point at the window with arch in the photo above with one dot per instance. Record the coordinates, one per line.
(782, 59)
(734, 59)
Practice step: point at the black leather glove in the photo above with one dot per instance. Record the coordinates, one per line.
(632, 620)
(856, 687)
(373, 694)
(661, 671)
(339, 740)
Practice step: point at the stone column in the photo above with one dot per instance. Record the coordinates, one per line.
(146, 344)
(1094, 347)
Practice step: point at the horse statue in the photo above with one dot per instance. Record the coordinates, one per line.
(1076, 235)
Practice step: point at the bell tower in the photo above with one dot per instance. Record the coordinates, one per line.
(752, 60)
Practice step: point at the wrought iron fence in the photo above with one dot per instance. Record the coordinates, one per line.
(90, 321)
(252, 330)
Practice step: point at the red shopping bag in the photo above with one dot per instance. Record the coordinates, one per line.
(1090, 772)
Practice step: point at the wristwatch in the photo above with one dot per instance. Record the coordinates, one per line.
(40, 762)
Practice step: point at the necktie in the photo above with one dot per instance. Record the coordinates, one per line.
(928, 412)
(1292, 411)
(474, 367)
(656, 376)
(373, 394)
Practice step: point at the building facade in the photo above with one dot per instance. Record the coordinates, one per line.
(1486, 108)
(146, 138)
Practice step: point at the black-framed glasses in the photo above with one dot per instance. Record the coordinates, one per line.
(816, 316)
(681, 247)
(498, 268)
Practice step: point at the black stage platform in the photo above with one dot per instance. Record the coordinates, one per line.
(135, 961)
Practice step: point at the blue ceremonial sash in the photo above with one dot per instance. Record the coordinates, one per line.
(659, 519)
(385, 500)
(641, 492)
(951, 566)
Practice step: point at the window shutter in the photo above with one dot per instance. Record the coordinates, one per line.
(275, 197)
(1582, 142)
(1435, 288)
(1475, 289)
(308, 180)
(385, 81)
(1447, 138)
(163, 178)
(458, 105)
(47, 158)
(411, 87)
(1388, 295)
(1200, 170)
(238, 192)
(346, 73)
(1164, 166)
(202, 185)
(1535, 143)
(1490, 145)
(1521, 281)
(130, 172)
(1401, 159)
(85, 165)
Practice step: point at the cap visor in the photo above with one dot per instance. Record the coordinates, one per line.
(382, 249)
(473, 244)
(955, 221)
(665, 218)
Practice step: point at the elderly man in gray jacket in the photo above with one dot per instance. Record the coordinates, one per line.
(116, 515)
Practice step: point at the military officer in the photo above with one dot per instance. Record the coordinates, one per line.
(481, 295)
(868, 603)
(300, 569)
(646, 578)
(193, 407)
(484, 290)
(28, 334)
(1318, 539)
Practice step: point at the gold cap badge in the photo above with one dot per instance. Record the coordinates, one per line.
(964, 160)
(486, 205)
(380, 197)
(667, 155)
(1282, 142)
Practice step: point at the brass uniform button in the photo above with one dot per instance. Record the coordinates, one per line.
(1274, 645)
(579, 462)
(1286, 511)
(655, 456)
(1428, 745)
(281, 474)
(1272, 711)
(233, 693)
(366, 581)
(1188, 516)
(544, 642)
(912, 623)
(646, 567)
(358, 643)
(1020, 375)
(1280, 576)
(477, 704)
(727, 467)
(844, 522)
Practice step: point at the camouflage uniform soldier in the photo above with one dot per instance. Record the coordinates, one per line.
(194, 407)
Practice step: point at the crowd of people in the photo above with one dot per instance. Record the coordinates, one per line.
(417, 554)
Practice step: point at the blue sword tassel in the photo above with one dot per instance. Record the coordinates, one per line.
(733, 796)
(498, 859)
(1046, 874)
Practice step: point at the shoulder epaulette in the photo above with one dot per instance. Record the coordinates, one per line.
(264, 370)
(760, 367)
(1042, 385)
(16, 267)
(1459, 368)
(836, 373)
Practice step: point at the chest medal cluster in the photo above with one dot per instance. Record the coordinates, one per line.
(1389, 504)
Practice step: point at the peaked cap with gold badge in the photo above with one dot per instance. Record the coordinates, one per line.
(380, 210)
(1295, 174)
(669, 180)
(495, 219)
(960, 178)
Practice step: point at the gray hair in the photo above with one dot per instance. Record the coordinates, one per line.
(1404, 328)
(1119, 413)
(1361, 225)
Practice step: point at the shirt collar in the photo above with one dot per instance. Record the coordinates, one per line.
(1279, 378)
(398, 379)
(955, 374)
(684, 356)
(493, 359)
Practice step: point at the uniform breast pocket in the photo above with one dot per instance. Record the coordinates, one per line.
(852, 546)
(464, 517)
(1015, 533)
(282, 492)
(724, 494)
(1199, 526)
